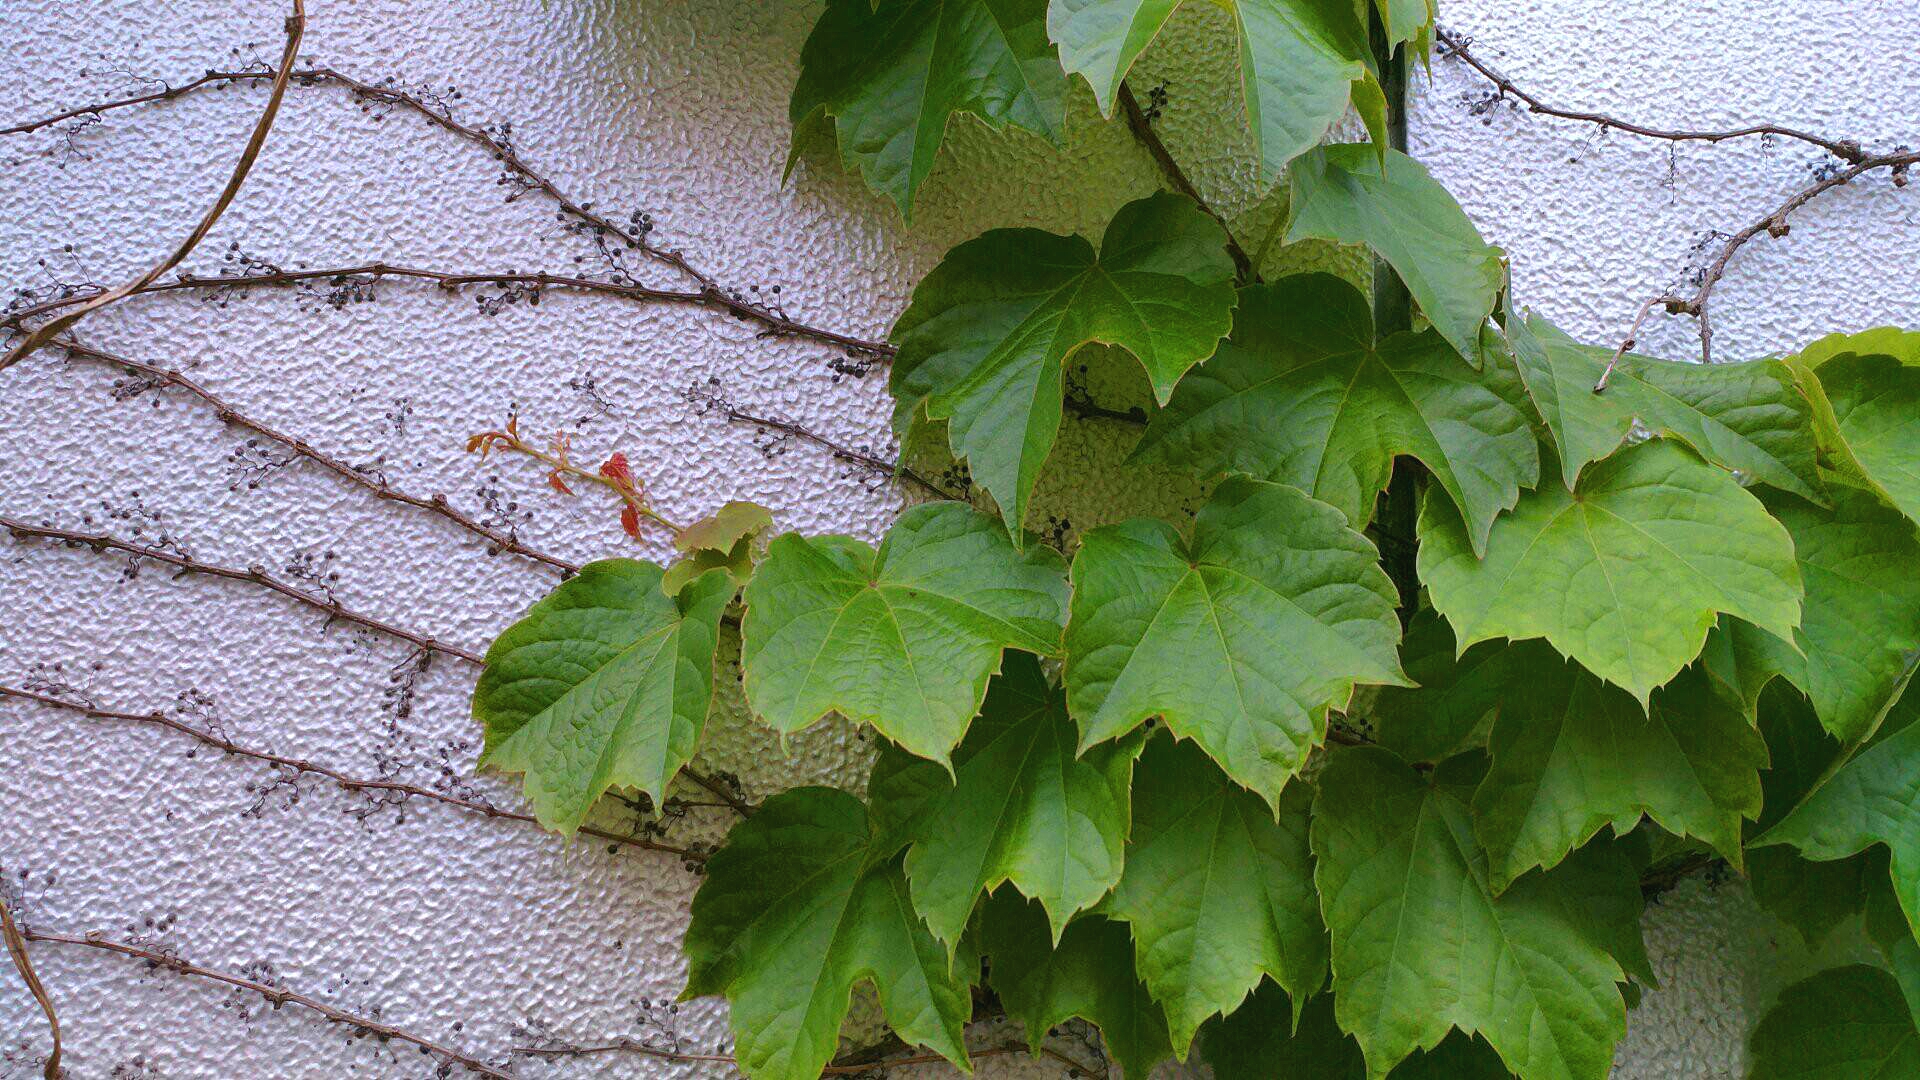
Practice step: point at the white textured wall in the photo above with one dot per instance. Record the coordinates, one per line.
(463, 928)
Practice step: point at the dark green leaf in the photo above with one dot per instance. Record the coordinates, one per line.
(1301, 61)
(1022, 809)
(1087, 974)
(1572, 755)
(983, 343)
(1847, 1023)
(903, 639)
(1421, 944)
(1626, 574)
(889, 77)
(607, 681)
(1344, 193)
(1302, 394)
(1217, 888)
(1242, 638)
(1749, 416)
(798, 907)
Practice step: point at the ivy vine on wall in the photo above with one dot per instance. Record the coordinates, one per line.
(1365, 767)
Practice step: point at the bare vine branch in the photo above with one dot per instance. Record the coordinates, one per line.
(276, 996)
(226, 411)
(358, 785)
(1456, 45)
(296, 29)
(707, 293)
(22, 963)
(1774, 224)
(839, 1067)
(101, 542)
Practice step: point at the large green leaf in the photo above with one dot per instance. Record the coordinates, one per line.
(1303, 394)
(1572, 755)
(1020, 808)
(1876, 403)
(1837, 458)
(606, 681)
(1242, 638)
(1301, 62)
(890, 76)
(983, 343)
(1218, 889)
(1624, 574)
(1859, 636)
(1874, 798)
(1260, 1042)
(1453, 706)
(1812, 897)
(1346, 194)
(1846, 1023)
(802, 903)
(1088, 973)
(1749, 416)
(1421, 944)
(903, 639)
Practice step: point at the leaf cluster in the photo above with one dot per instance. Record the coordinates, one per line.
(1224, 785)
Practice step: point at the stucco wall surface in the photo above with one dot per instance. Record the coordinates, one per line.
(476, 932)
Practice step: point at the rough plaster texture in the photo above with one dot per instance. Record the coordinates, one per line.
(467, 929)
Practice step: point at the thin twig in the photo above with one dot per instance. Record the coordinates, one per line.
(1142, 129)
(226, 411)
(842, 452)
(1456, 45)
(837, 1068)
(708, 292)
(275, 996)
(1774, 224)
(101, 542)
(17, 949)
(344, 781)
(373, 272)
(296, 28)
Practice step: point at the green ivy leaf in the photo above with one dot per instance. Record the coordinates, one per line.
(1876, 403)
(1572, 755)
(890, 76)
(1747, 416)
(903, 639)
(1021, 808)
(984, 341)
(1088, 974)
(1452, 705)
(1874, 798)
(1887, 927)
(724, 540)
(1626, 573)
(1846, 1023)
(1218, 889)
(799, 906)
(1346, 194)
(1859, 636)
(1812, 897)
(606, 681)
(1407, 20)
(1260, 1042)
(1421, 944)
(1302, 394)
(1242, 638)
(1301, 62)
